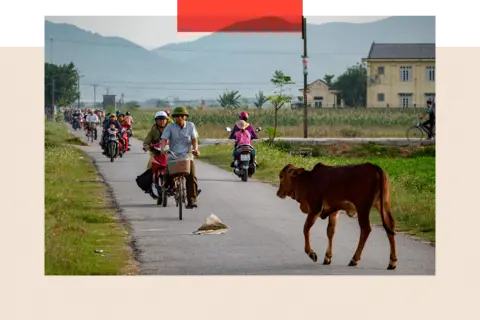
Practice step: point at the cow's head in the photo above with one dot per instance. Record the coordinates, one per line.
(287, 176)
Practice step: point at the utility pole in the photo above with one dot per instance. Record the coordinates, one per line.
(52, 111)
(53, 92)
(95, 95)
(51, 49)
(78, 90)
(305, 73)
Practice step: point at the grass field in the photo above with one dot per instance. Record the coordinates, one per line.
(411, 172)
(338, 123)
(79, 215)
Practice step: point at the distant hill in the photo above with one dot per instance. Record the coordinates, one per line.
(119, 63)
(246, 59)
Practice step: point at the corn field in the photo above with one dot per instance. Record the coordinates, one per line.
(361, 122)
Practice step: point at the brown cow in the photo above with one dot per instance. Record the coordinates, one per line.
(326, 190)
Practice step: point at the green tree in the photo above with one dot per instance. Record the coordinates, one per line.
(352, 85)
(160, 103)
(62, 81)
(280, 97)
(229, 99)
(132, 104)
(328, 78)
(261, 99)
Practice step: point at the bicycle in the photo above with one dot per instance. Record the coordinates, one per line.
(90, 132)
(418, 130)
(178, 169)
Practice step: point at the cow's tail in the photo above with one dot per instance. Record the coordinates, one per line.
(385, 208)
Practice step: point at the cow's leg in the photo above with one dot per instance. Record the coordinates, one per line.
(332, 222)
(389, 226)
(365, 229)
(306, 232)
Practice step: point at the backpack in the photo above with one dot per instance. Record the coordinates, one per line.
(144, 181)
(243, 137)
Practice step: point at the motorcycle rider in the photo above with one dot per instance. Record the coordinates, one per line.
(242, 117)
(76, 117)
(243, 137)
(111, 120)
(183, 137)
(92, 120)
(169, 120)
(153, 137)
(129, 119)
(155, 134)
(106, 119)
(121, 120)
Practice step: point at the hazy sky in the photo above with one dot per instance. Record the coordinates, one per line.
(152, 32)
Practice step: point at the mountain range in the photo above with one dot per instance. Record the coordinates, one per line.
(204, 68)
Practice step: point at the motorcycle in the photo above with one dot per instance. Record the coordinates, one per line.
(129, 133)
(159, 167)
(75, 123)
(244, 165)
(113, 147)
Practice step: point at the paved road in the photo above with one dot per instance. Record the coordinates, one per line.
(265, 236)
(327, 141)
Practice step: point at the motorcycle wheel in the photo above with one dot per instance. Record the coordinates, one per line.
(160, 195)
(245, 175)
(111, 148)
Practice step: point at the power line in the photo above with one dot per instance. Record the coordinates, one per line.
(132, 46)
(185, 82)
(164, 88)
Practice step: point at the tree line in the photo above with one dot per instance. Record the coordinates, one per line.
(61, 84)
(352, 87)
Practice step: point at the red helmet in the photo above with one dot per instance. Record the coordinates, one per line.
(243, 115)
(167, 112)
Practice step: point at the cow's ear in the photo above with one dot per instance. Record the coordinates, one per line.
(295, 172)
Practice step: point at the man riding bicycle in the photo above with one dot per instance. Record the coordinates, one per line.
(183, 138)
(430, 123)
(91, 122)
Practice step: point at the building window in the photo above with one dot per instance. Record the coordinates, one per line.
(406, 73)
(381, 70)
(429, 96)
(430, 73)
(405, 100)
(380, 97)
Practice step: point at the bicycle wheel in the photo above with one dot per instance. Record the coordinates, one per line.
(414, 134)
(180, 196)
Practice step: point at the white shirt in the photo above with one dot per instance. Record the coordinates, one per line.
(92, 118)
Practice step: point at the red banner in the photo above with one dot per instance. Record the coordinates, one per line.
(239, 16)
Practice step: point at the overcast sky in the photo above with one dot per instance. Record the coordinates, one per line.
(152, 32)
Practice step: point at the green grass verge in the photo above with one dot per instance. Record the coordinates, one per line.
(79, 215)
(411, 172)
